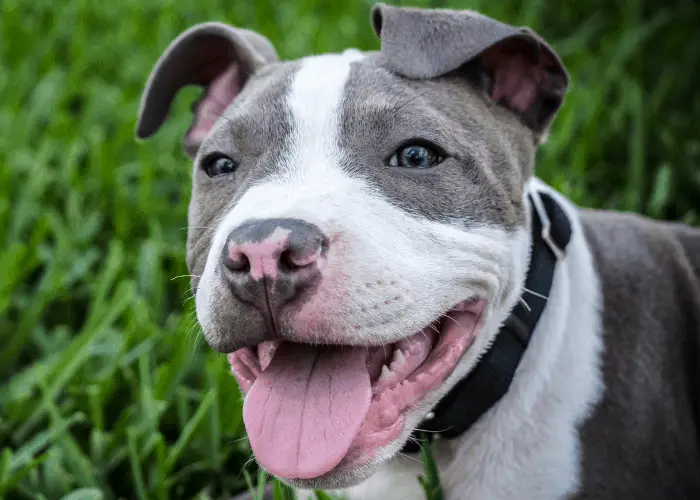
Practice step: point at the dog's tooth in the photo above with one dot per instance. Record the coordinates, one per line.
(386, 374)
(397, 360)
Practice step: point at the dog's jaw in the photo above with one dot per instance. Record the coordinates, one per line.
(401, 376)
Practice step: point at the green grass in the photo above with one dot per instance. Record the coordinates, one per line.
(107, 390)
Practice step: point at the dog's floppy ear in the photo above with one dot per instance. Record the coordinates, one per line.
(515, 67)
(215, 56)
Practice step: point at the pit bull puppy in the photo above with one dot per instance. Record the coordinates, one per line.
(372, 248)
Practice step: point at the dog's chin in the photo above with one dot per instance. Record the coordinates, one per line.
(325, 416)
(340, 478)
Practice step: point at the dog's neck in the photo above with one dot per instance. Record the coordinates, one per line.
(526, 445)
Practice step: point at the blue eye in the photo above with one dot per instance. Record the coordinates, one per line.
(219, 165)
(415, 156)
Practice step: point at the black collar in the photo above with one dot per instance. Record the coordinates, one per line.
(489, 380)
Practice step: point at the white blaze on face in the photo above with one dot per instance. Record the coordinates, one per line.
(315, 102)
(287, 436)
(309, 177)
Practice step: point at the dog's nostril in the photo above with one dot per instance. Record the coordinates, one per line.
(287, 262)
(291, 260)
(238, 262)
(300, 256)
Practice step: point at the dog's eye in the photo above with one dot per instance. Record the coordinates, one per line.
(415, 156)
(219, 165)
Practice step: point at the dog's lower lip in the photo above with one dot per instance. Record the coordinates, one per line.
(400, 378)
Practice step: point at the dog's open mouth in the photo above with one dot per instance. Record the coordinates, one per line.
(310, 409)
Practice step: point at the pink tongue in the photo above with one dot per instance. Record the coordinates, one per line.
(303, 412)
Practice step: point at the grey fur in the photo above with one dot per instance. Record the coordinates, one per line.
(481, 179)
(642, 442)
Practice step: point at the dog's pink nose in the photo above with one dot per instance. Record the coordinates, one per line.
(273, 260)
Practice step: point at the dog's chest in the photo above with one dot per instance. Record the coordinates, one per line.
(396, 480)
(550, 473)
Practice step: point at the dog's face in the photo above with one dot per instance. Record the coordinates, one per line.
(357, 227)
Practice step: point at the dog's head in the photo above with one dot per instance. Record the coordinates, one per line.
(357, 229)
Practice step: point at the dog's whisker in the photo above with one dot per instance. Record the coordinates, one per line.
(196, 227)
(193, 334)
(185, 276)
(218, 115)
(413, 459)
(414, 440)
(535, 294)
(525, 304)
(236, 441)
(433, 432)
(455, 322)
(248, 462)
(434, 328)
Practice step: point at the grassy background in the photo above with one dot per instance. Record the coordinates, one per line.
(105, 382)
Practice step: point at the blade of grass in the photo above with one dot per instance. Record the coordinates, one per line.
(74, 357)
(79, 463)
(262, 479)
(85, 494)
(43, 439)
(136, 466)
(249, 484)
(281, 491)
(189, 430)
(431, 480)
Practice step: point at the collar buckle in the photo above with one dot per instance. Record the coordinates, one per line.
(546, 225)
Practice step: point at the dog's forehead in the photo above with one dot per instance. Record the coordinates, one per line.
(279, 94)
(358, 89)
(350, 84)
(341, 116)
